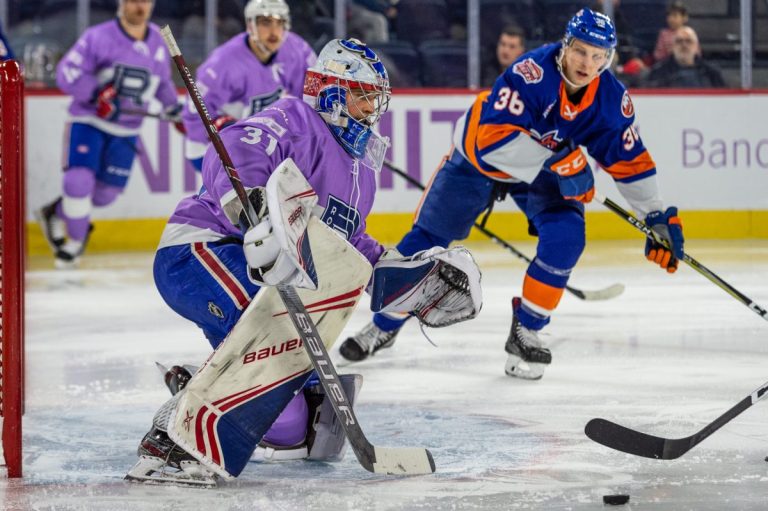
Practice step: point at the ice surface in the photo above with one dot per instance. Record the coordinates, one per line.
(666, 357)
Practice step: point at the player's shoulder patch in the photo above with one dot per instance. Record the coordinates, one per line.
(627, 108)
(529, 70)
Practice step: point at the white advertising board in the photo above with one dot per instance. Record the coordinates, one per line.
(711, 151)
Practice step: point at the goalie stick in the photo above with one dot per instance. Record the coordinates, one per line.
(385, 460)
(599, 294)
(693, 263)
(634, 442)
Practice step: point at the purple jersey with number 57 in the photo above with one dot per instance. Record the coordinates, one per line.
(138, 69)
(289, 127)
(234, 82)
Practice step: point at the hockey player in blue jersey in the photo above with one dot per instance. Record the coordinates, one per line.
(524, 138)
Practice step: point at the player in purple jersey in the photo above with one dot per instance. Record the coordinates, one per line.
(523, 139)
(248, 73)
(117, 65)
(210, 264)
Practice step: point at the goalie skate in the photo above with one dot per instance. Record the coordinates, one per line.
(527, 358)
(163, 462)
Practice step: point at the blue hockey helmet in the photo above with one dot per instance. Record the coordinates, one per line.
(344, 69)
(593, 28)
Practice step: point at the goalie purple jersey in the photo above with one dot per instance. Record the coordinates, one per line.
(140, 70)
(345, 186)
(233, 81)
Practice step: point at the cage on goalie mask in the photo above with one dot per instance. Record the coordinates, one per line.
(348, 73)
(593, 28)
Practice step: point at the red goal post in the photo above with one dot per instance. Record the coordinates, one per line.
(12, 253)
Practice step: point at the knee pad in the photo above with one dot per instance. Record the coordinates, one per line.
(78, 185)
(104, 194)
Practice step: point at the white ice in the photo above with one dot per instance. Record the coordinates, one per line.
(667, 357)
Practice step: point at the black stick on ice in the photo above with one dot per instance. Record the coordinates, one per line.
(600, 294)
(386, 460)
(634, 442)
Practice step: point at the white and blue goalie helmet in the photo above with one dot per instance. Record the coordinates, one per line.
(347, 68)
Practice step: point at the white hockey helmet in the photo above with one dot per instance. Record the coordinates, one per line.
(347, 66)
(269, 9)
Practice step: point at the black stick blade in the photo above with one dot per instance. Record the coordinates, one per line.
(627, 440)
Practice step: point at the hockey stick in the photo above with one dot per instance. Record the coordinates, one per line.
(600, 294)
(634, 442)
(693, 263)
(374, 459)
(144, 113)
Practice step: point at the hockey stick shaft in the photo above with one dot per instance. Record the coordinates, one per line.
(621, 438)
(144, 113)
(380, 460)
(213, 133)
(610, 292)
(690, 261)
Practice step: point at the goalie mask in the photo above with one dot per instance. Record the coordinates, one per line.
(349, 87)
(593, 28)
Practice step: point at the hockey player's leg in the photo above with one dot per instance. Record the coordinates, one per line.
(75, 211)
(162, 461)
(455, 197)
(307, 427)
(561, 242)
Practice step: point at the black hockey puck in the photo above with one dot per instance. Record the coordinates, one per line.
(615, 500)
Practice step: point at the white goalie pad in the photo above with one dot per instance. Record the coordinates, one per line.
(237, 394)
(439, 286)
(290, 200)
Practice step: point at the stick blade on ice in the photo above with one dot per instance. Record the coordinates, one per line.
(403, 461)
(623, 439)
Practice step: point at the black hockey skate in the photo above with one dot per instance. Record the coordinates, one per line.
(527, 358)
(161, 461)
(67, 255)
(367, 342)
(177, 377)
(53, 227)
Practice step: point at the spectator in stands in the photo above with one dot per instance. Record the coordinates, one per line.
(685, 67)
(511, 44)
(677, 16)
(368, 20)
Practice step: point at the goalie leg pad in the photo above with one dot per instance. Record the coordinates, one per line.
(236, 396)
(325, 437)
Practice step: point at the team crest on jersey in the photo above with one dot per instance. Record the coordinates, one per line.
(341, 217)
(627, 108)
(529, 70)
(550, 139)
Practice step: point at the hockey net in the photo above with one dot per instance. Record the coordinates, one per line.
(12, 251)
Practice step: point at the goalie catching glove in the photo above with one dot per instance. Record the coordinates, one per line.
(439, 286)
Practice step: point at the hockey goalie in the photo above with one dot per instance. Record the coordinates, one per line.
(309, 170)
